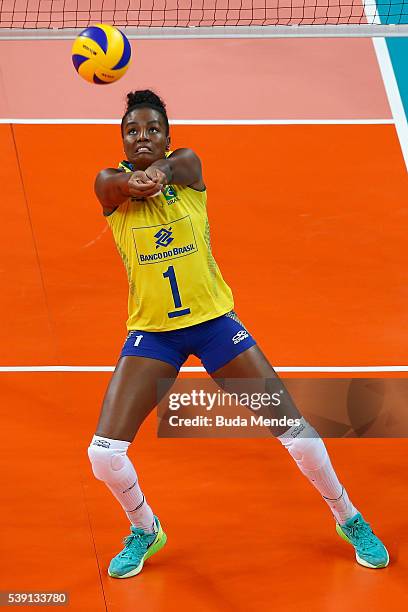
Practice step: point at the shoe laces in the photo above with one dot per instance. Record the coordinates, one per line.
(137, 542)
(361, 531)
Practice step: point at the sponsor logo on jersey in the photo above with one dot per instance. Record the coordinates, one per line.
(170, 194)
(241, 335)
(163, 242)
(163, 237)
(171, 254)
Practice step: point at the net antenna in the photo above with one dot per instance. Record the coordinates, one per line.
(161, 19)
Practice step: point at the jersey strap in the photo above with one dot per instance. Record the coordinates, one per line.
(126, 166)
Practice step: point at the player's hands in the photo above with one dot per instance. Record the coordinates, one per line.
(156, 175)
(141, 185)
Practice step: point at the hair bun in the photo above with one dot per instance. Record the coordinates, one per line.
(144, 96)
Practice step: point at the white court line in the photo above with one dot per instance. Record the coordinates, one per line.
(206, 121)
(328, 369)
(389, 79)
(393, 94)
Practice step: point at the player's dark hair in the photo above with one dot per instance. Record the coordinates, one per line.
(145, 98)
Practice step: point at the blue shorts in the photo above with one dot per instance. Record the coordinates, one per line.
(215, 342)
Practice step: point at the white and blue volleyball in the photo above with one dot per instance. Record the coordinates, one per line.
(101, 54)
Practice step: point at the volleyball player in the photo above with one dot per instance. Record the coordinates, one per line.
(179, 304)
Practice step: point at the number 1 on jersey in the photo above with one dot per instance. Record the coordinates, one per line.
(171, 275)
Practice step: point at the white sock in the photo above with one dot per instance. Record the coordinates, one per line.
(111, 464)
(309, 451)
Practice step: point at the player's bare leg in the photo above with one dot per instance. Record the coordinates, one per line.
(131, 396)
(309, 451)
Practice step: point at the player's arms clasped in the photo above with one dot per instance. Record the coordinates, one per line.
(113, 187)
(146, 183)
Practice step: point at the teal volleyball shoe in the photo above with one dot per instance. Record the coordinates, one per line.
(370, 551)
(139, 546)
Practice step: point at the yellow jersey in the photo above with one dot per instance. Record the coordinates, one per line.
(164, 242)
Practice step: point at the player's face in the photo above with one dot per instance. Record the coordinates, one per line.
(144, 137)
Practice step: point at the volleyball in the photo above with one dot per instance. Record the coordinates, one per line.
(101, 54)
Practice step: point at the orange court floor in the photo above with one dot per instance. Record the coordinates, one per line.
(309, 228)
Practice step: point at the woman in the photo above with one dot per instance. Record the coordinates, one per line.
(179, 304)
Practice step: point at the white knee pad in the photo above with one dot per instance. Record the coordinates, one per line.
(309, 453)
(306, 446)
(108, 458)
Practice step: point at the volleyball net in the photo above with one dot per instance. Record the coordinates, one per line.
(206, 18)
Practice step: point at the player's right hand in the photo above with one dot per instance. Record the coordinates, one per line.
(141, 186)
